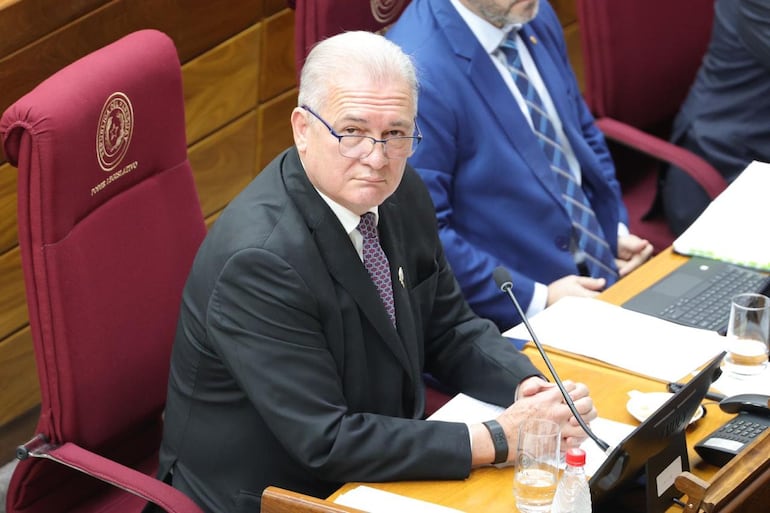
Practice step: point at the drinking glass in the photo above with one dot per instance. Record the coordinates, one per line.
(748, 334)
(537, 465)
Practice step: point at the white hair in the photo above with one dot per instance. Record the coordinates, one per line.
(358, 52)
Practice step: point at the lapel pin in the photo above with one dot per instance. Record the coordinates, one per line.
(533, 39)
(401, 276)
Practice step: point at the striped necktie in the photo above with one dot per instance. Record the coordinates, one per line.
(592, 249)
(376, 263)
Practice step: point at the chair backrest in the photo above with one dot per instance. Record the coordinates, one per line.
(318, 19)
(109, 223)
(641, 56)
(280, 500)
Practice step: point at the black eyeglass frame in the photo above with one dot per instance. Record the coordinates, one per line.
(415, 138)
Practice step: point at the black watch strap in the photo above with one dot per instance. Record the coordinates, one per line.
(499, 440)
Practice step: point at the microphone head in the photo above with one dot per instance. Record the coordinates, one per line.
(502, 277)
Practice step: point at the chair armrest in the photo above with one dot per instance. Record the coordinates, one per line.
(126, 478)
(700, 170)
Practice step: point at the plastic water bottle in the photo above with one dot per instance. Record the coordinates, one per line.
(572, 493)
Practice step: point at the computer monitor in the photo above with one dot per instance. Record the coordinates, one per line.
(659, 437)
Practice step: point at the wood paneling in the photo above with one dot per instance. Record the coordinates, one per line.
(219, 86)
(18, 381)
(195, 25)
(13, 302)
(22, 22)
(277, 59)
(275, 127)
(224, 163)
(8, 234)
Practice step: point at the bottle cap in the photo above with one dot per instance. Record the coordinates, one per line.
(576, 457)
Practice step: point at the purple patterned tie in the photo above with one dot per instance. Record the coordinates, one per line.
(376, 263)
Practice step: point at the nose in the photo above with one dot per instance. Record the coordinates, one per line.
(378, 157)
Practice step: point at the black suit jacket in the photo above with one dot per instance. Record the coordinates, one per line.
(286, 369)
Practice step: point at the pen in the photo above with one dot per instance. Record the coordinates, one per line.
(676, 387)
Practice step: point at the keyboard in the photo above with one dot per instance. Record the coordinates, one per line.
(708, 306)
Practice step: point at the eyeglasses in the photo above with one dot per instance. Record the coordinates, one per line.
(361, 146)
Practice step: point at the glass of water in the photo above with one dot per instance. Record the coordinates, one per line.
(748, 334)
(537, 465)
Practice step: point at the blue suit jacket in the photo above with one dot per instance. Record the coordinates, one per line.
(496, 198)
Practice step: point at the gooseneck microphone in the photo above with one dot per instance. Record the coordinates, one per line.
(505, 282)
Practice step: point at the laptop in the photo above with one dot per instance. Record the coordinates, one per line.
(652, 441)
(698, 293)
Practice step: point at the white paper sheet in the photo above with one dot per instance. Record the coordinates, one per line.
(374, 500)
(624, 338)
(732, 227)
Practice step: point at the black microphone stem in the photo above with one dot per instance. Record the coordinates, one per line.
(506, 287)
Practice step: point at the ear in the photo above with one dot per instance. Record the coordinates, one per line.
(300, 127)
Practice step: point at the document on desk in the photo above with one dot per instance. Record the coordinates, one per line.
(463, 408)
(374, 500)
(734, 226)
(634, 341)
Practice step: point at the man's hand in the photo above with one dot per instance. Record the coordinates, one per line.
(573, 285)
(632, 252)
(537, 399)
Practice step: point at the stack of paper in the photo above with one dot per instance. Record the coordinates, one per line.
(734, 226)
(624, 338)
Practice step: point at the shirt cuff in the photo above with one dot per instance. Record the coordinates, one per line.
(539, 300)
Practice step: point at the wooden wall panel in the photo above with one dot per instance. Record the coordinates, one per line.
(219, 86)
(224, 163)
(18, 381)
(22, 22)
(275, 127)
(277, 59)
(195, 26)
(8, 234)
(13, 301)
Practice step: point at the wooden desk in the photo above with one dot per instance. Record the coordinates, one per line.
(490, 489)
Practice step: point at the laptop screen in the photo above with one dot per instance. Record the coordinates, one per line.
(626, 462)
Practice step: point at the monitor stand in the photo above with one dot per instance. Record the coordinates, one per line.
(662, 470)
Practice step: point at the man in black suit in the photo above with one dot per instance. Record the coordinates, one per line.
(290, 366)
(726, 116)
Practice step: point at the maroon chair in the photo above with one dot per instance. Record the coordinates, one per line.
(109, 222)
(640, 57)
(318, 19)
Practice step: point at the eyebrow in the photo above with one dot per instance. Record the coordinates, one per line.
(356, 119)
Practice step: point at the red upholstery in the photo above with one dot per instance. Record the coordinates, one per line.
(640, 57)
(318, 19)
(109, 222)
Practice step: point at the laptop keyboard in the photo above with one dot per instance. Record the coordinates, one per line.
(708, 307)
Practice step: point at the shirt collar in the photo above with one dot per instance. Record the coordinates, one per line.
(348, 219)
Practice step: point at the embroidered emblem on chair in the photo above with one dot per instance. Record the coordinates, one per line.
(116, 125)
(386, 11)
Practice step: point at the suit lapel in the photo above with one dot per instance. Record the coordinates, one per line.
(391, 233)
(481, 72)
(340, 256)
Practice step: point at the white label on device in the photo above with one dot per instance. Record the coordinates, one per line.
(723, 443)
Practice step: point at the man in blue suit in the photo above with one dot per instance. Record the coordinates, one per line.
(726, 116)
(493, 183)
